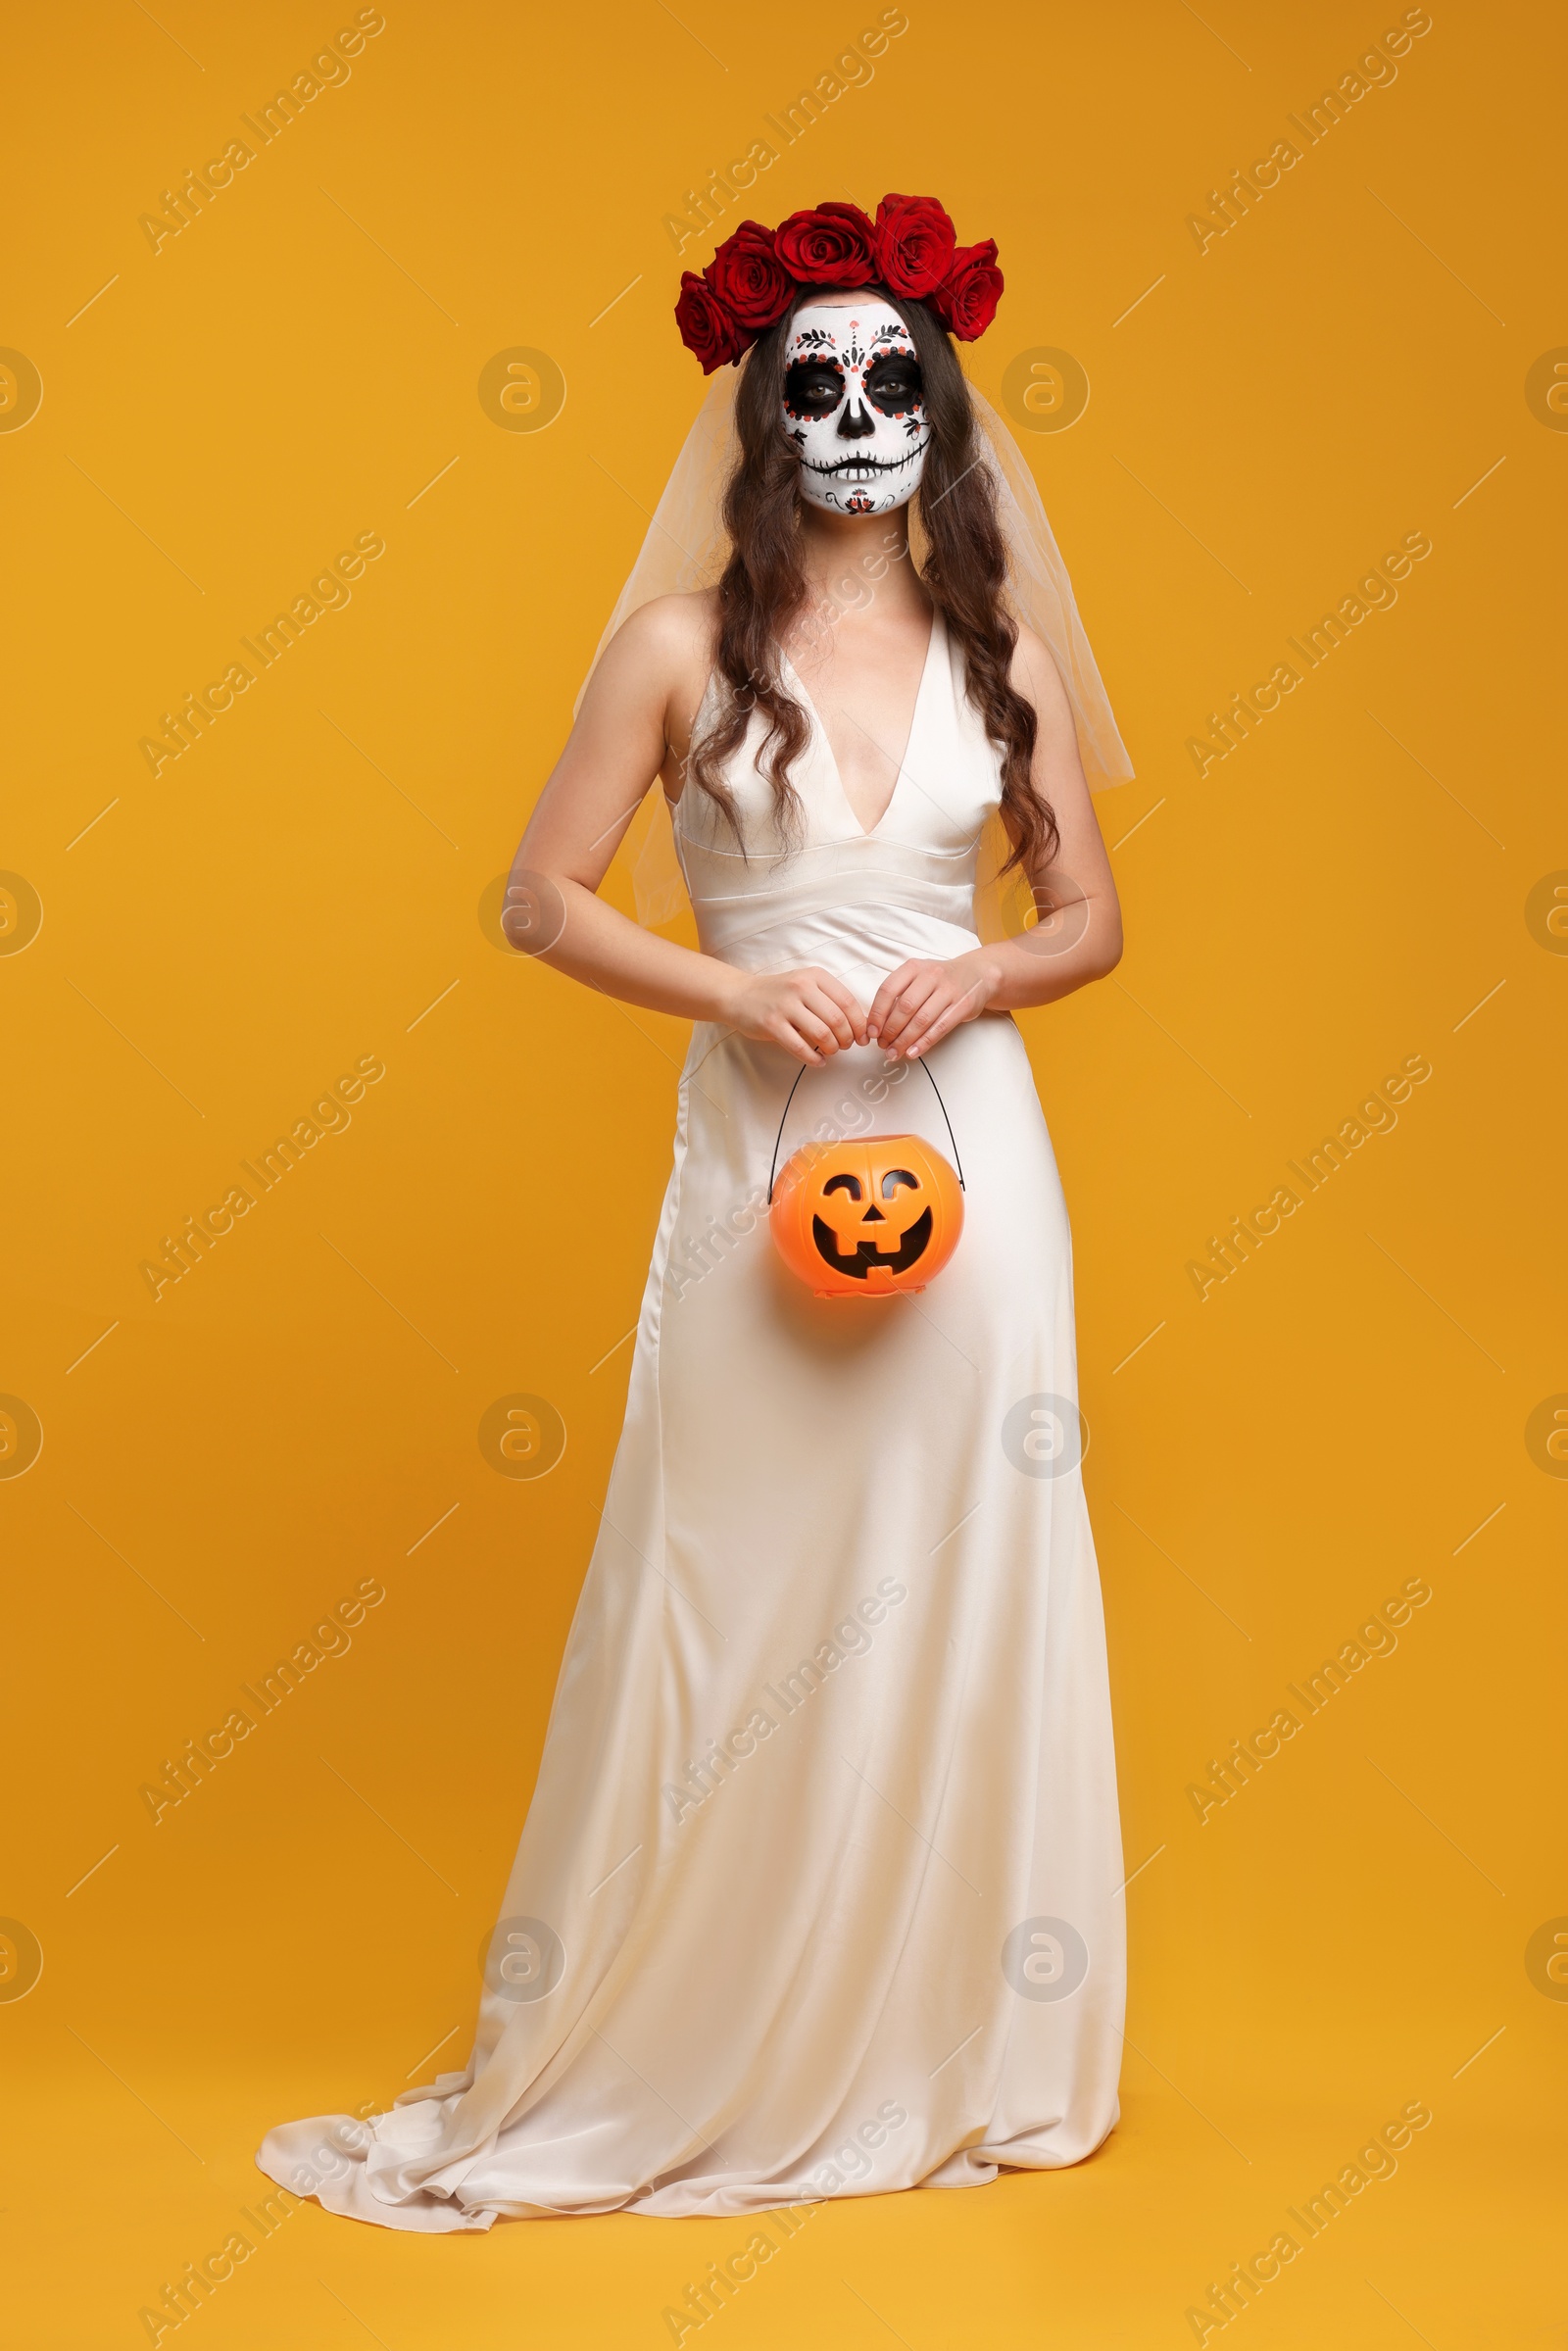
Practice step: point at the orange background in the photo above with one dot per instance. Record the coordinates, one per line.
(302, 888)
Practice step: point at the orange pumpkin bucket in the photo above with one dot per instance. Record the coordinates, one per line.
(875, 1217)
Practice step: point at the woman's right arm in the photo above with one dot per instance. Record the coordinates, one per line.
(640, 702)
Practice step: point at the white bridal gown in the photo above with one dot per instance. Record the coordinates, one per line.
(819, 1890)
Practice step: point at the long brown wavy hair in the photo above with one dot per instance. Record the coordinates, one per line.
(763, 587)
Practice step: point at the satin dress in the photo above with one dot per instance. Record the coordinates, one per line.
(819, 1891)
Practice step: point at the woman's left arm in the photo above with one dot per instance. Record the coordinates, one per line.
(1078, 936)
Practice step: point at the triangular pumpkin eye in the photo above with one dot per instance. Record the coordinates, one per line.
(893, 1179)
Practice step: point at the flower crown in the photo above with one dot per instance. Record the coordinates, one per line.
(910, 248)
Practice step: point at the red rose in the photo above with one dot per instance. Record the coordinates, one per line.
(707, 327)
(748, 277)
(967, 297)
(914, 245)
(829, 247)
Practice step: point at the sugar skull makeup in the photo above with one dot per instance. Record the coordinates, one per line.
(855, 406)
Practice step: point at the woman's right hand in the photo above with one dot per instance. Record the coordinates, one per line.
(810, 1013)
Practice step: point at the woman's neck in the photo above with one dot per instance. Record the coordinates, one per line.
(847, 558)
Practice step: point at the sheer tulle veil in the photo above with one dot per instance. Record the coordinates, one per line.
(686, 548)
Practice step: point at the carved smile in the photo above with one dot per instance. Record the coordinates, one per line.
(866, 1255)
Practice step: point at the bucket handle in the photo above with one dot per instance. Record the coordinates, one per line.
(790, 1096)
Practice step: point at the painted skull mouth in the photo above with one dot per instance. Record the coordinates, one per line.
(862, 468)
(865, 1256)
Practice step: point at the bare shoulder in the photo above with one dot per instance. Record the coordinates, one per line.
(1035, 675)
(668, 644)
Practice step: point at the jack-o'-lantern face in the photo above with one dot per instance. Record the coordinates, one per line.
(867, 1219)
(858, 1230)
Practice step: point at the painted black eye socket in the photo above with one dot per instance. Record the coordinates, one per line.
(894, 385)
(847, 1182)
(812, 387)
(895, 1177)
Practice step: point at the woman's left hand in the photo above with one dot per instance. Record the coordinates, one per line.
(917, 1005)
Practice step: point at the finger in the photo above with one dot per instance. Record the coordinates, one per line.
(897, 1015)
(894, 1026)
(942, 1023)
(934, 1011)
(847, 1002)
(933, 1033)
(886, 998)
(916, 996)
(828, 1009)
(897, 986)
(814, 1029)
(801, 1046)
(830, 1012)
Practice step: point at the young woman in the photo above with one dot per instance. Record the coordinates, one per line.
(819, 1890)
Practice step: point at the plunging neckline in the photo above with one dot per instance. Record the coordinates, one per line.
(869, 832)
